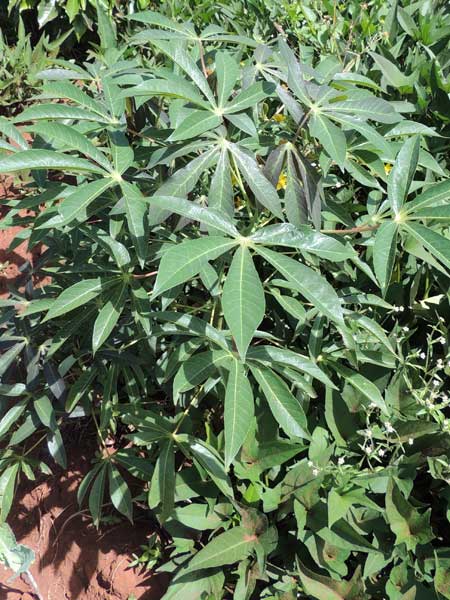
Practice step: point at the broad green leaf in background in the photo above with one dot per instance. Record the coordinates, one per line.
(331, 137)
(243, 301)
(78, 294)
(108, 316)
(119, 492)
(436, 243)
(137, 217)
(226, 549)
(162, 486)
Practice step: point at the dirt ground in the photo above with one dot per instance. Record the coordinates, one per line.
(74, 561)
(11, 262)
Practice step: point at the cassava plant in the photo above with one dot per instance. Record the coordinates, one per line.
(249, 258)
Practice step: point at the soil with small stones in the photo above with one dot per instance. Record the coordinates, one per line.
(74, 560)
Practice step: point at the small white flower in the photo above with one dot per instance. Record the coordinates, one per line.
(338, 184)
(410, 441)
(368, 433)
(310, 463)
(406, 329)
(422, 355)
(372, 405)
(442, 340)
(402, 308)
(381, 452)
(315, 472)
(440, 363)
(435, 382)
(396, 308)
(368, 449)
(428, 404)
(313, 164)
(341, 460)
(389, 427)
(444, 398)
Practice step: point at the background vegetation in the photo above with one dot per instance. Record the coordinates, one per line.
(245, 214)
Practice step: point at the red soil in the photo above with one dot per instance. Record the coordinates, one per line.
(74, 561)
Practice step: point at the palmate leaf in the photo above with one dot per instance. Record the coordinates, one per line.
(173, 87)
(58, 111)
(436, 195)
(243, 300)
(74, 207)
(227, 73)
(250, 97)
(238, 411)
(195, 124)
(137, 218)
(64, 89)
(119, 492)
(183, 261)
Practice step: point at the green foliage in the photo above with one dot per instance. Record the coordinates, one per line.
(249, 252)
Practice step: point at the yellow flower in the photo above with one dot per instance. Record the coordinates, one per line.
(278, 118)
(282, 182)
(387, 168)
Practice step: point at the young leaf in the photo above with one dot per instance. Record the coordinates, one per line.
(227, 73)
(331, 137)
(243, 300)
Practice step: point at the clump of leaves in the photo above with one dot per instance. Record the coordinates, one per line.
(250, 261)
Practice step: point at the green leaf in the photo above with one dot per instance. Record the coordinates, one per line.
(80, 388)
(263, 190)
(436, 195)
(220, 194)
(78, 294)
(243, 300)
(70, 138)
(97, 494)
(162, 487)
(12, 415)
(409, 526)
(11, 132)
(227, 73)
(7, 358)
(14, 556)
(363, 385)
(305, 239)
(75, 205)
(198, 368)
(286, 409)
(58, 111)
(120, 493)
(207, 216)
(238, 411)
(384, 252)
(45, 412)
(436, 243)
(121, 151)
(372, 108)
(7, 488)
(402, 173)
(209, 459)
(137, 218)
(313, 286)
(198, 122)
(175, 87)
(438, 213)
(183, 261)
(250, 97)
(46, 159)
(392, 73)
(108, 316)
(325, 588)
(226, 549)
(331, 137)
(65, 89)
